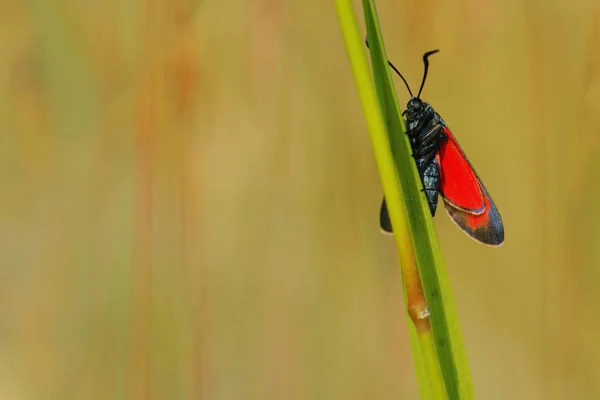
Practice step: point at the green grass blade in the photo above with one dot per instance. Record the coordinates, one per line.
(444, 319)
(439, 353)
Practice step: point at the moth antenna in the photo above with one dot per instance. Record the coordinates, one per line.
(395, 70)
(426, 62)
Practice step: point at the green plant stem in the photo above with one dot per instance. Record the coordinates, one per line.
(433, 388)
(438, 350)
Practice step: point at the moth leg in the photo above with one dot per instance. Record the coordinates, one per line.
(429, 141)
(428, 151)
(430, 135)
(429, 157)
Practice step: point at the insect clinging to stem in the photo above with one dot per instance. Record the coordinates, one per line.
(444, 168)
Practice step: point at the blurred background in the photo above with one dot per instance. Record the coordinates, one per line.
(189, 200)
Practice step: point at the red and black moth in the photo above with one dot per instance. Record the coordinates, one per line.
(445, 169)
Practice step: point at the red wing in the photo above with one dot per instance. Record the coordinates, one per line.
(458, 182)
(466, 199)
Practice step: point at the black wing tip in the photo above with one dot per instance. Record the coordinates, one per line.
(386, 233)
(492, 238)
(384, 217)
(491, 234)
(384, 220)
(494, 232)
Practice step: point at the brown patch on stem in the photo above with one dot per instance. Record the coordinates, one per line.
(415, 299)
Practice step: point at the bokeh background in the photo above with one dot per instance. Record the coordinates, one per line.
(189, 200)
